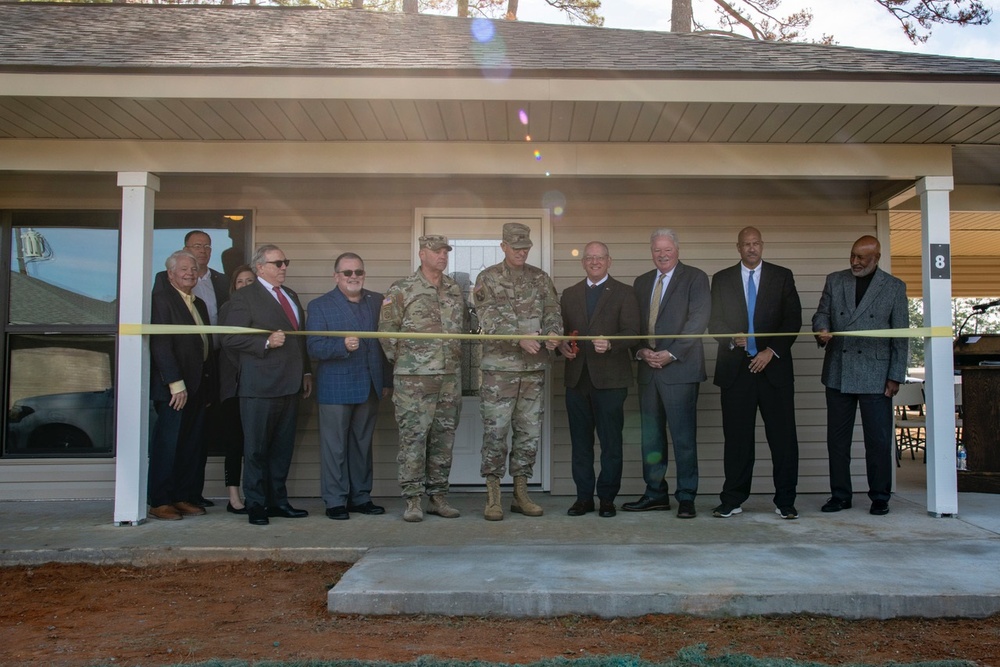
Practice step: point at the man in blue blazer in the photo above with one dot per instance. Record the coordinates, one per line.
(351, 377)
(755, 372)
(674, 298)
(272, 372)
(860, 370)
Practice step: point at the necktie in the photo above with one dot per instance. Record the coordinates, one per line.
(189, 302)
(654, 308)
(287, 307)
(751, 307)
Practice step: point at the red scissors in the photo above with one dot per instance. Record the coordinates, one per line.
(574, 347)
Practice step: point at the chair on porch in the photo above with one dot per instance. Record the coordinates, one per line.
(911, 420)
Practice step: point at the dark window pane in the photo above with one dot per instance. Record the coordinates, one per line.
(63, 275)
(61, 399)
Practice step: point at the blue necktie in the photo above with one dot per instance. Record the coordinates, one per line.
(751, 307)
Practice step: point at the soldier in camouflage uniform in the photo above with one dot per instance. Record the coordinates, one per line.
(513, 297)
(428, 381)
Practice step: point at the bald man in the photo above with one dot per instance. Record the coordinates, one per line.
(860, 370)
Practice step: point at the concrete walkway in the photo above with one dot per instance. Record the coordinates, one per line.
(847, 564)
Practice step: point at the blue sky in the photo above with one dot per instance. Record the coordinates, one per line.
(85, 261)
(860, 23)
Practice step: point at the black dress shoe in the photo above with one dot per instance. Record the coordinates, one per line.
(287, 511)
(581, 507)
(607, 509)
(685, 510)
(879, 507)
(835, 505)
(647, 504)
(258, 515)
(338, 513)
(233, 510)
(366, 508)
(203, 502)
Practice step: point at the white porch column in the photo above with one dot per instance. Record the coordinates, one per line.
(942, 479)
(132, 431)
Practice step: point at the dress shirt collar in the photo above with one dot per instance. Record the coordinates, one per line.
(745, 272)
(268, 286)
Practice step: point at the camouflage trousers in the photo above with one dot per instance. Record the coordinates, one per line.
(511, 401)
(427, 412)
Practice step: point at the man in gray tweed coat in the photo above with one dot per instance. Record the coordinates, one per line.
(863, 371)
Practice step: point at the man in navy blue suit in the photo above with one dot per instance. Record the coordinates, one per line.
(674, 299)
(351, 377)
(756, 373)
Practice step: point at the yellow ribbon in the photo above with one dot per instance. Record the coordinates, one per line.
(174, 329)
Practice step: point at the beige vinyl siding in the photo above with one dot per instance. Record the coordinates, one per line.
(807, 226)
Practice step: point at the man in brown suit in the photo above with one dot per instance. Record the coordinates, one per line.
(598, 375)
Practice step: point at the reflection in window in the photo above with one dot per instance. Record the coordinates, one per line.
(63, 275)
(228, 246)
(61, 398)
(468, 258)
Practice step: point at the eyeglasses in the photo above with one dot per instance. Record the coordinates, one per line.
(355, 272)
(279, 262)
(200, 246)
(595, 258)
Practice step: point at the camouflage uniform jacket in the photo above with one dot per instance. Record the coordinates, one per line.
(515, 302)
(413, 304)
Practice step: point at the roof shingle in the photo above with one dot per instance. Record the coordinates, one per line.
(125, 38)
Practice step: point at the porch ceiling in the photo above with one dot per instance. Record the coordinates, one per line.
(973, 234)
(68, 117)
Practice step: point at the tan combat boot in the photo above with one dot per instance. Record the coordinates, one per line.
(439, 505)
(413, 513)
(494, 512)
(522, 503)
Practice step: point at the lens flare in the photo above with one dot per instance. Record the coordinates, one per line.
(523, 116)
(554, 201)
(482, 30)
(538, 156)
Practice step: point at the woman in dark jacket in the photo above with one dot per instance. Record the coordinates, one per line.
(232, 430)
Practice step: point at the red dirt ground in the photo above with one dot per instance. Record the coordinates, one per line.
(78, 614)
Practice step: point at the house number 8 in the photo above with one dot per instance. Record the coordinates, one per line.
(941, 266)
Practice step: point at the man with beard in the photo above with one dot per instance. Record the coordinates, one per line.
(861, 370)
(351, 378)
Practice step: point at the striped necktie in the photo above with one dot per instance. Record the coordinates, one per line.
(654, 309)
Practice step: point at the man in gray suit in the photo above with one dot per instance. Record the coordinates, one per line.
(273, 372)
(674, 298)
(861, 371)
(598, 375)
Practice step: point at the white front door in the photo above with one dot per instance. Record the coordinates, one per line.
(475, 236)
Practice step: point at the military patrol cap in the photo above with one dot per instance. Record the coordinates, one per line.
(434, 242)
(516, 235)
